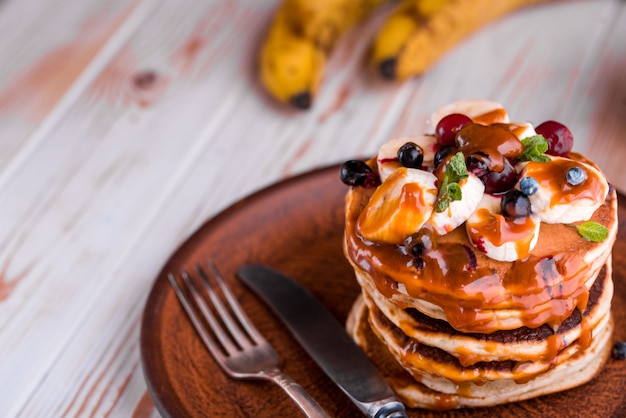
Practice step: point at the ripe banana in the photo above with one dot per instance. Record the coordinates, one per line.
(498, 237)
(459, 211)
(387, 158)
(301, 37)
(479, 110)
(558, 201)
(399, 207)
(419, 32)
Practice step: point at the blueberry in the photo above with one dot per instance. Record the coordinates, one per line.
(575, 176)
(529, 186)
(442, 153)
(418, 249)
(619, 350)
(410, 155)
(515, 204)
(357, 173)
(418, 263)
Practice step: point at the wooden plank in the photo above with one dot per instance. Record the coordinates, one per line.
(603, 100)
(47, 52)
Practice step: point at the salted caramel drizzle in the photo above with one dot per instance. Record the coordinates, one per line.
(499, 230)
(495, 142)
(552, 175)
(545, 289)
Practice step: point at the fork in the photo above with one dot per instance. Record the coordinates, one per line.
(236, 344)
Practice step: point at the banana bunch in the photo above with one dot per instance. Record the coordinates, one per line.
(415, 35)
(301, 37)
(419, 32)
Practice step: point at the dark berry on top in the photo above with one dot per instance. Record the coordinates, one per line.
(560, 138)
(619, 350)
(498, 182)
(442, 153)
(448, 126)
(477, 164)
(529, 186)
(410, 155)
(356, 173)
(515, 204)
(575, 176)
(418, 249)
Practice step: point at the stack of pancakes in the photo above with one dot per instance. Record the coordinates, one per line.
(522, 329)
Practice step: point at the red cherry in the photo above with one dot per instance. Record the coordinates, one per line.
(560, 138)
(448, 127)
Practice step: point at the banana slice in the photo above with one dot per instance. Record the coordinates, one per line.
(480, 111)
(399, 206)
(562, 200)
(387, 158)
(498, 237)
(459, 211)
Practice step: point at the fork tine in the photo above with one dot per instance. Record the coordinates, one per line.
(237, 327)
(214, 324)
(195, 319)
(245, 322)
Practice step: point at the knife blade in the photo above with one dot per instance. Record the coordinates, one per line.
(325, 340)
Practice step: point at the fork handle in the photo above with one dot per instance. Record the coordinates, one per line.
(305, 402)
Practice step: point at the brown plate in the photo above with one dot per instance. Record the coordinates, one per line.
(296, 226)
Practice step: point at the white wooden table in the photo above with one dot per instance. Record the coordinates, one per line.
(125, 124)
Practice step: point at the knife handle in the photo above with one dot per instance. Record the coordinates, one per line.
(305, 402)
(393, 409)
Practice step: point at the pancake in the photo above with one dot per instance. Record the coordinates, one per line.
(484, 264)
(414, 392)
(438, 304)
(521, 344)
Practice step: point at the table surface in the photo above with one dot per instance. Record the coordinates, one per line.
(125, 124)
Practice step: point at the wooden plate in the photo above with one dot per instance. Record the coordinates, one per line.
(296, 226)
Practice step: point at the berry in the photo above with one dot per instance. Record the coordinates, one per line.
(619, 350)
(448, 127)
(418, 249)
(472, 263)
(477, 164)
(441, 154)
(529, 186)
(560, 138)
(357, 173)
(497, 182)
(515, 204)
(418, 263)
(410, 155)
(575, 176)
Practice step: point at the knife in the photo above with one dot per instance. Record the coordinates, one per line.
(325, 340)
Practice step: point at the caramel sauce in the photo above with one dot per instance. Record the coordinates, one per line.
(586, 334)
(552, 175)
(500, 230)
(445, 402)
(408, 208)
(544, 289)
(493, 141)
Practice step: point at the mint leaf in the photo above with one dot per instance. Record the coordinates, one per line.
(442, 203)
(593, 231)
(456, 169)
(534, 149)
(449, 190)
(454, 190)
